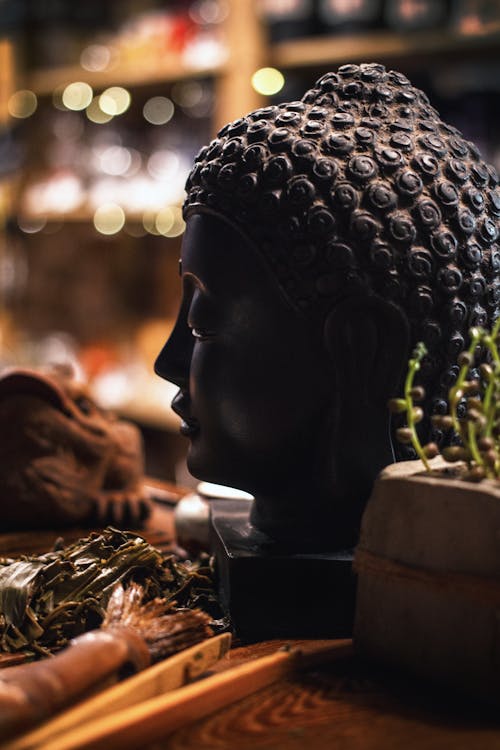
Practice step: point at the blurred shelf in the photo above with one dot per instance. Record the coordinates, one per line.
(378, 46)
(44, 81)
(82, 216)
(306, 52)
(158, 416)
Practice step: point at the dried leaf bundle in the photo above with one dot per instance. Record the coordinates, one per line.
(46, 600)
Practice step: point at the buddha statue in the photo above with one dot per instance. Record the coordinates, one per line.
(324, 238)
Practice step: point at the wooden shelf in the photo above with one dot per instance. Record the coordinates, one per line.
(307, 52)
(169, 69)
(246, 52)
(376, 47)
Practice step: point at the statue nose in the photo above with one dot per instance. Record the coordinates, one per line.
(173, 361)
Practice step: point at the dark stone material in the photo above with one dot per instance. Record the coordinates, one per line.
(270, 591)
(324, 239)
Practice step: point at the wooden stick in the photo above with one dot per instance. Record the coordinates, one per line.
(130, 634)
(32, 692)
(148, 721)
(153, 681)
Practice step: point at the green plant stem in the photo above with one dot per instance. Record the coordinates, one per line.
(479, 429)
(493, 415)
(473, 447)
(414, 366)
(488, 407)
(491, 390)
(456, 393)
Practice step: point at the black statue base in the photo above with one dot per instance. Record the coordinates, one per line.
(269, 592)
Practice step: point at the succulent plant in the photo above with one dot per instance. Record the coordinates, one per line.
(473, 411)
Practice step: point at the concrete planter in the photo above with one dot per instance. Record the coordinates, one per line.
(428, 564)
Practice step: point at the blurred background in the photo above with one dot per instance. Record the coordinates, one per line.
(103, 106)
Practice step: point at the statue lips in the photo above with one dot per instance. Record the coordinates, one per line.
(189, 426)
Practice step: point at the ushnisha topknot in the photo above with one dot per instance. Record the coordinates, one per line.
(361, 185)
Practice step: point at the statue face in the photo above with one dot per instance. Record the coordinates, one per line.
(254, 382)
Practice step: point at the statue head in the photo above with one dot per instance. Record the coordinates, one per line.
(331, 234)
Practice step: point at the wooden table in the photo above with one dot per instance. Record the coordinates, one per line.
(349, 705)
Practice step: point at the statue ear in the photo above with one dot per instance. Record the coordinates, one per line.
(367, 339)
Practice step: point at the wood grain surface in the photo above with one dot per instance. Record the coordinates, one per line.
(346, 706)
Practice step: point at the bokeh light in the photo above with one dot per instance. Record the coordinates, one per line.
(169, 222)
(165, 220)
(115, 100)
(95, 57)
(135, 162)
(95, 113)
(158, 110)
(22, 104)
(57, 101)
(163, 164)
(77, 95)
(115, 160)
(133, 229)
(187, 93)
(209, 11)
(268, 81)
(59, 193)
(109, 218)
(32, 224)
(195, 98)
(149, 222)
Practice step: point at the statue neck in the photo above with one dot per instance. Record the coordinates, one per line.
(323, 510)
